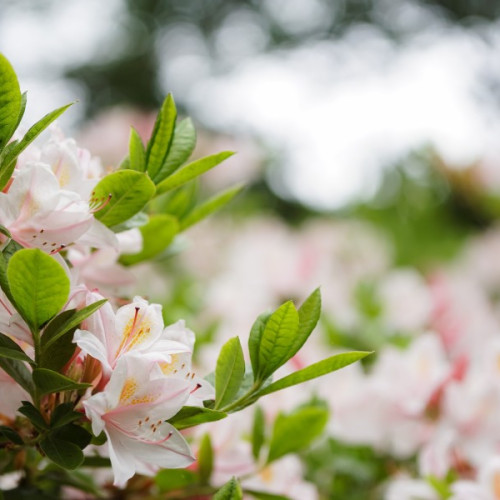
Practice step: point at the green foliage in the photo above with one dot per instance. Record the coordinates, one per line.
(157, 235)
(189, 416)
(230, 491)
(309, 313)
(48, 381)
(10, 350)
(191, 171)
(63, 415)
(171, 479)
(10, 435)
(48, 286)
(33, 414)
(258, 432)
(137, 153)
(10, 101)
(296, 431)
(64, 453)
(254, 339)
(205, 460)
(13, 365)
(229, 372)
(315, 370)
(128, 192)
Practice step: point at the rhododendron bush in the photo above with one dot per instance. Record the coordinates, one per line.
(97, 393)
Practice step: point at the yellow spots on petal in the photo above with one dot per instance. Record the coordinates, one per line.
(170, 368)
(63, 176)
(496, 485)
(266, 474)
(129, 388)
(136, 331)
(147, 398)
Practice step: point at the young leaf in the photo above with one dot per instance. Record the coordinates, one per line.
(137, 153)
(263, 495)
(162, 136)
(128, 192)
(209, 207)
(174, 479)
(229, 372)
(296, 431)
(255, 338)
(38, 284)
(9, 434)
(10, 350)
(230, 491)
(10, 101)
(28, 410)
(180, 150)
(191, 171)
(205, 459)
(157, 234)
(190, 416)
(258, 432)
(277, 338)
(63, 453)
(48, 381)
(315, 370)
(9, 160)
(66, 322)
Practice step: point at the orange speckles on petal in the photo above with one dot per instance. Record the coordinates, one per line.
(129, 388)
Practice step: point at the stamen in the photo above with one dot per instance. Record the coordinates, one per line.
(57, 250)
(196, 388)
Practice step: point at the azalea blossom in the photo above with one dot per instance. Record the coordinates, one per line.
(132, 411)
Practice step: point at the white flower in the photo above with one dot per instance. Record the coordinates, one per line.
(132, 411)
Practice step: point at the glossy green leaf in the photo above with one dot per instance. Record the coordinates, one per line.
(9, 434)
(74, 434)
(64, 414)
(258, 432)
(296, 431)
(9, 160)
(309, 313)
(10, 101)
(209, 207)
(10, 350)
(174, 479)
(191, 171)
(157, 235)
(137, 153)
(28, 410)
(162, 136)
(63, 453)
(277, 339)
(315, 370)
(128, 192)
(205, 459)
(254, 339)
(180, 150)
(38, 284)
(230, 491)
(190, 416)
(262, 495)
(48, 381)
(229, 372)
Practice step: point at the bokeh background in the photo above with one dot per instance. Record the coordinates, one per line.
(368, 136)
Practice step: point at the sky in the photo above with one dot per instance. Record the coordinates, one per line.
(337, 112)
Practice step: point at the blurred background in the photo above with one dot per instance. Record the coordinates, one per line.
(368, 136)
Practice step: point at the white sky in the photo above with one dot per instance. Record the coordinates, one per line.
(338, 111)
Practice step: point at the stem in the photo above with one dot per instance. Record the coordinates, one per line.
(255, 387)
(35, 333)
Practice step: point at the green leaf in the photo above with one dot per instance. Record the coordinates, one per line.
(74, 434)
(174, 479)
(66, 322)
(38, 284)
(24, 101)
(10, 350)
(258, 432)
(262, 495)
(63, 414)
(63, 453)
(15, 367)
(9, 434)
(309, 313)
(190, 416)
(137, 153)
(28, 410)
(157, 235)
(230, 491)
(315, 370)
(205, 459)
(210, 206)
(9, 160)
(296, 431)
(10, 101)
(277, 339)
(191, 171)
(229, 372)
(255, 338)
(162, 136)
(48, 381)
(181, 147)
(129, 190)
